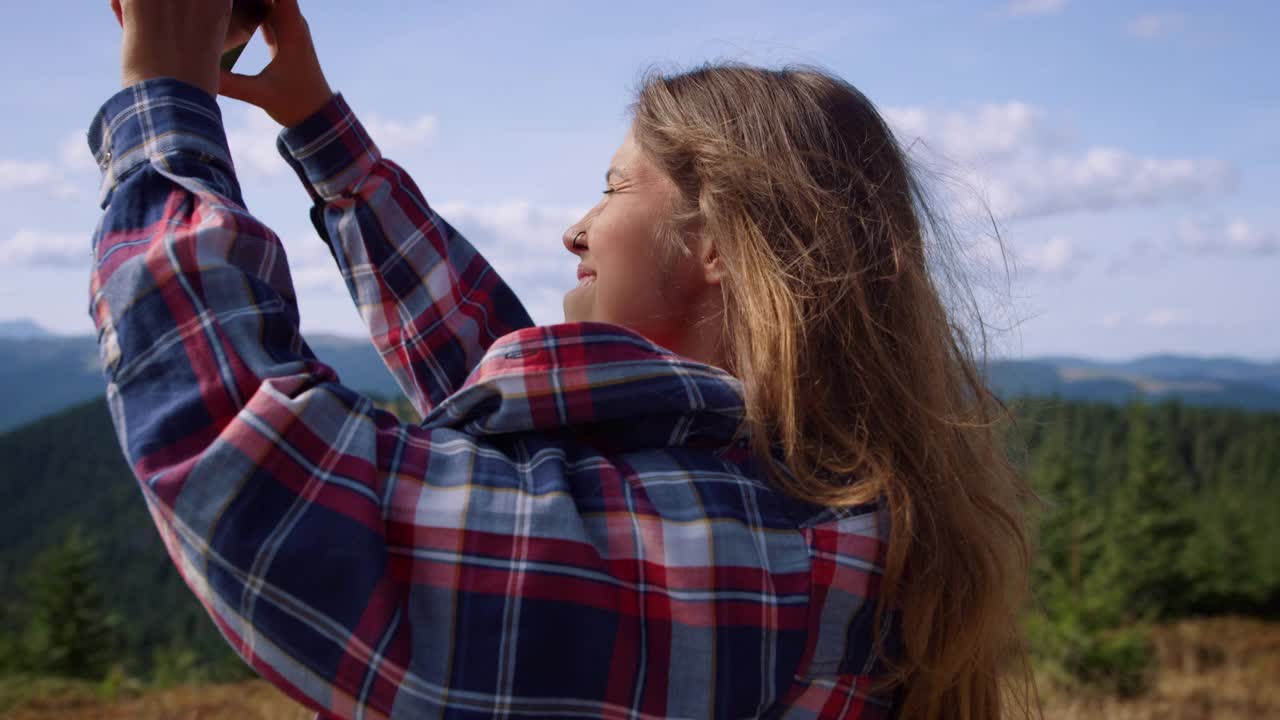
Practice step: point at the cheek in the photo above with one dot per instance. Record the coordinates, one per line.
(638, 289)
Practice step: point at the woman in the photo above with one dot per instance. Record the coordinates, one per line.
(754, 473)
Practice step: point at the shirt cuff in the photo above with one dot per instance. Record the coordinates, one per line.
(330, 151)
(152, 119)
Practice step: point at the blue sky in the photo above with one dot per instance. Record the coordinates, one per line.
(1129, 149)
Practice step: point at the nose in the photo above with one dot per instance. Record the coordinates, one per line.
(571, 239)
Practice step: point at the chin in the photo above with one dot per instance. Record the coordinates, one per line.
(573, 313)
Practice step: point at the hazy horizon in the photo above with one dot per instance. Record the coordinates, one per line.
(1128, 152)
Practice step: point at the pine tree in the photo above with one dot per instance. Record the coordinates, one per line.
(1080, 635)
(68, 632)
(1149, 520)
(9, 649)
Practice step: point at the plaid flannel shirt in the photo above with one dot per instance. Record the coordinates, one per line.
(576, 529)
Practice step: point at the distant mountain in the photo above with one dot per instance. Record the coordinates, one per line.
(1220, 382)
(1173, 367)
(41, 374)
(21, 330)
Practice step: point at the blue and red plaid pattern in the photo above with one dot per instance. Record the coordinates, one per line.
(576, 529)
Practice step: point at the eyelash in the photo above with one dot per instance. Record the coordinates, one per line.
(610, 191)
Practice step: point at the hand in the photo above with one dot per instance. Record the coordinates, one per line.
(181, 39)
(292, 86)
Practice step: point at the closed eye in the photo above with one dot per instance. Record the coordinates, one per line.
(610, 191)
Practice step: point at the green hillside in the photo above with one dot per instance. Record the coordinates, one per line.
(1149, 513)
(1207, 382)
(67, 471)
(42, 374)
(39, 376)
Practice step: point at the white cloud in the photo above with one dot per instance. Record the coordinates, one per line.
(512, 223)
(1233, 237)
(1036, 7)
(1163, 319)
(995, 131)
(75, 156)
(311, 264)
(19, 175)
(35, 248)
(1154, 319)
(523, 242)
(1205, 238)
(252, 139)
(1155, 25)
(1158, 319)
(397, 138)
(1010, 157)
(1060, 257)
(63, 176)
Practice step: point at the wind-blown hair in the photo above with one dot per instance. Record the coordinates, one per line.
(851, 363)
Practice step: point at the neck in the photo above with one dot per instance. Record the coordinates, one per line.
(703, 336)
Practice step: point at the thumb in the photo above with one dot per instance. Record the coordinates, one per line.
(249, 88)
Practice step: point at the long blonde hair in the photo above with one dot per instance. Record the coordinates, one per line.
(851, 361)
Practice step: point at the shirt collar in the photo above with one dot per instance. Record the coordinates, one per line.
(603, 383)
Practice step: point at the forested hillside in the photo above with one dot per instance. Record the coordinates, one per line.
(67, 472)
(42, 374)
(70, 496)
(1179, 505)
(1150, 513)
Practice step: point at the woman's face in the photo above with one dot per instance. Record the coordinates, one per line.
(626, 275)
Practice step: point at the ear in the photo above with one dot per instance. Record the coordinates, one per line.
(708, 257)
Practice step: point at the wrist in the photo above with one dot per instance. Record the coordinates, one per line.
(130, 78)
(162, 83)
(299, 111)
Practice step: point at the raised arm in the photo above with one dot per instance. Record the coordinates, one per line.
(431, 302)
(267, 480)
(324, 538)
(374, 569)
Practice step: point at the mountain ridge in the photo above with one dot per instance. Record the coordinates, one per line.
(21, 328)
(42, 374)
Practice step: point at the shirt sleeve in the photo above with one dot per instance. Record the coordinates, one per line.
(430, 300)
(267, 479)
(374, 569)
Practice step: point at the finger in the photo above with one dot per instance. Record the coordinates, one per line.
(249, 88)
(286, 8)
(286, 21)
(270, 30)
(269, 37)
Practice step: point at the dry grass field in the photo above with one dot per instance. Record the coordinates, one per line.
(1224, 669)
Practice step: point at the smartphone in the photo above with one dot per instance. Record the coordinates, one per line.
(246, 16)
